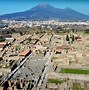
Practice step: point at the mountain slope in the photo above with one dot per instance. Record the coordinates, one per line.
(46, 11)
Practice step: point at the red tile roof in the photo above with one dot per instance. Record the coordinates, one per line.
(63, 47)
(24, 53)
(77, 37)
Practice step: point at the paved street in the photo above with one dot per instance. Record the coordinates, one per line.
(44, 76)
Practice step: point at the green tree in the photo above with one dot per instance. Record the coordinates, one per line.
(67, 37)
(73, 38)
(87, 31)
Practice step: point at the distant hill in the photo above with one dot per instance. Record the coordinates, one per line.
(45, 12)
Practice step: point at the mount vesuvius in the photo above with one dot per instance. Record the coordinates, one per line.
(46, 12)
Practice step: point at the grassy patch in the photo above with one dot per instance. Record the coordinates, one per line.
(74, 71)
(77, 86)
(56, 81)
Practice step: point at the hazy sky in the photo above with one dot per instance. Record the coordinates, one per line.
(10, 6)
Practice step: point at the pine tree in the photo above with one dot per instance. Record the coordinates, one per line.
(73, 38)
(67, 37)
